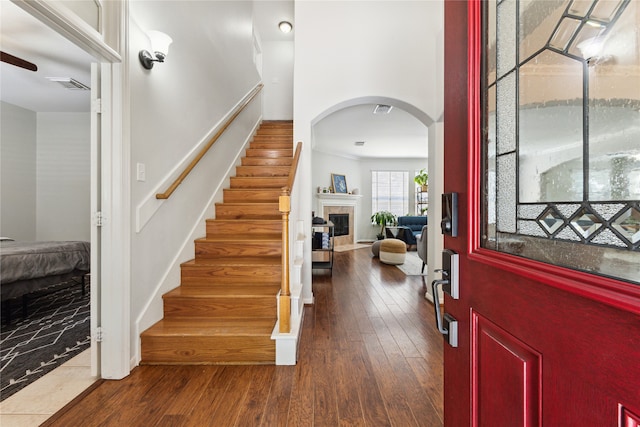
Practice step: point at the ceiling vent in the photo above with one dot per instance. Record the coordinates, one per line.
(382, 109)
(69, 83)
(359, 143)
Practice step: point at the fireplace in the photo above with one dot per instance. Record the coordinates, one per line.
(343, 220)
(341, 209)
(341, 224)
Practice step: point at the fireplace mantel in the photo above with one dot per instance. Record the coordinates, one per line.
(339, 197)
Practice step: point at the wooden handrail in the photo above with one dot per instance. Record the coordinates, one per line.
(284, 206)
(293, 170)
(212, 141)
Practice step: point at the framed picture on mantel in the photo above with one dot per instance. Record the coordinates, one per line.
(339, 183)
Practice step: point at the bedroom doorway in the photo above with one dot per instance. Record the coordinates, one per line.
(109, 184)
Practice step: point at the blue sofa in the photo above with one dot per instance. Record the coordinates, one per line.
(411, 227)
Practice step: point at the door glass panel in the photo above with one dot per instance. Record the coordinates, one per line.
(580, 7)
(551, 129)
(506, 40)
(538, 22)
(561, 119)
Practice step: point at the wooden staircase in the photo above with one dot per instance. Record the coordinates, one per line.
(224, 311)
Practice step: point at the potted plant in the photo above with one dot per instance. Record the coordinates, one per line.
(382, 218)
(422, 179)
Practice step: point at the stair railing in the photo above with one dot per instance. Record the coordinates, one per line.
(212, 141)
(284, 206)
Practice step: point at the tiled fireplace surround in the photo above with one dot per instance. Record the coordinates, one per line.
(331, 203)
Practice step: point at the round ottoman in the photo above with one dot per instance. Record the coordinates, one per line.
(392, 251)
(375, 248)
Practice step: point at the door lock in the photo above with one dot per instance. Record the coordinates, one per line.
(449, 223)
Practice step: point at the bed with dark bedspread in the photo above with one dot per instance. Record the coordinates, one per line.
(27, 267)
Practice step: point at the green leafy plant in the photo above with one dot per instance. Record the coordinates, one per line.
(422, 178)
(382, 218)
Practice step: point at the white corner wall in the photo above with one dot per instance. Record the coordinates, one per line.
(63, 183)
(17, 172)
(346, 50)
(175, 108)
(277, 60)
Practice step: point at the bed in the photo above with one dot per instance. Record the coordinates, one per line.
(29, 267)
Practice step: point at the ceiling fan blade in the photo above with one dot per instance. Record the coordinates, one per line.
(18, 62)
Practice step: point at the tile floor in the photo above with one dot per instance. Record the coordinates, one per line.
(32, 405)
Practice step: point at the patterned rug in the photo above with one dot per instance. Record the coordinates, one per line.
(56, 328)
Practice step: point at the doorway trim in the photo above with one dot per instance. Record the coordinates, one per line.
(113, 313)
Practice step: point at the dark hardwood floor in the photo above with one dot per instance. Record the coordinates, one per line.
(370, 354)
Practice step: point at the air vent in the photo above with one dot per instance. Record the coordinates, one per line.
(69, 83)
(382, 109)
(359, 143)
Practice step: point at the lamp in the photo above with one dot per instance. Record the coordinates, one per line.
(285, 26)
(159, 45)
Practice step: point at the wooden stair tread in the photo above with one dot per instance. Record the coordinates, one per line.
(245, 239)
(265, 161)
(234, 261)
(245, 327)
(248, 222)
(235, 291)
(251, 204)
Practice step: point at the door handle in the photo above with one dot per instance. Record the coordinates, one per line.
(447, 324)
(450, 327)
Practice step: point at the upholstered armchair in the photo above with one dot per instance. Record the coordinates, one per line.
(421, 243)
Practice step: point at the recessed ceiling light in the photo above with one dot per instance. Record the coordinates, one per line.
(382, 109)
(359, 143)
(285, 26)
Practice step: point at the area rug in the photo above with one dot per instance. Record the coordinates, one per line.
(412, 265)
(56, 329)
(350, 247)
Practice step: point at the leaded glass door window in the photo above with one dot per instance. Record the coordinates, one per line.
(561, 120)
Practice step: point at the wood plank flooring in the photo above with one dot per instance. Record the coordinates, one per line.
(370, 355)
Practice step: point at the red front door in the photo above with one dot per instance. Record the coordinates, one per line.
(541, 344)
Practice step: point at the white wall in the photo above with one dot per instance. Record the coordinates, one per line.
(175, 108)
(45, 175)
(277, 60)
(17, 172)
(347, 50)
(63, 183)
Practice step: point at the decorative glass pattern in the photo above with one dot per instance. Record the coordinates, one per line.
(530, 211)
(607, 237)
(580, 7)
(564, 33)
(506, 193)
(607, 10)
(530, 228)
(551, 220)
(586, 223)
(561, 104)
(538, 21)
(628, 224)
(506, 40)
(505, 114)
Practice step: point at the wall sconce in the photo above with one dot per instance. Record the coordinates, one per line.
(159, 45)
(285, 26)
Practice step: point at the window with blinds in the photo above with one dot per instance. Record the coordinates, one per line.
(390, 192)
